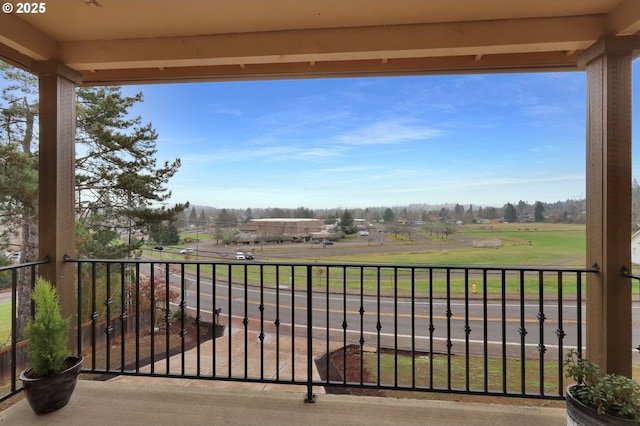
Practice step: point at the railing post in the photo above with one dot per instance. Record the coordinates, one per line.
(608, 200)
(310, 397)
(79, 309)
(14, 327)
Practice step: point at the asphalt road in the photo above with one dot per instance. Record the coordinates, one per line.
(400, 322)
(420, 324)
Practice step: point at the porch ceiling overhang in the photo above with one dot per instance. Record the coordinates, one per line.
(136, 41)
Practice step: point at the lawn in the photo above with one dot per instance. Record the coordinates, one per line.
(464, 372)
(546, 244)
(553, 245)
(441, 365)
(522, 244)
(384, 279)
(5, 324)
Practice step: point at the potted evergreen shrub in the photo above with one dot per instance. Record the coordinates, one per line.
(597, 398)
(52, 371)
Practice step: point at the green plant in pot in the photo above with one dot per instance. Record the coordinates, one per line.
(52, 371)
(597, 398)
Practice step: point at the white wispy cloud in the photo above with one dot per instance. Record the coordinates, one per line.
(348, 169)
(235, 112)
(267, 153)
(505, 181)
(544, 111)
(295, 120)
(389, 132)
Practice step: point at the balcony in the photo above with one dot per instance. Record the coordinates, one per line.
(479, 331)
(598, 37)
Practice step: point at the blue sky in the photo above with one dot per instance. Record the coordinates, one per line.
(363, 142)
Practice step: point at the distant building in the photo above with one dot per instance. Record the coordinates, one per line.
(13, 257)
(360, 223)
(635, 248)
(279, 230)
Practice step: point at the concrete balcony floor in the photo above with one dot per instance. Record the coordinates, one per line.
(131, 400)
(141, 401)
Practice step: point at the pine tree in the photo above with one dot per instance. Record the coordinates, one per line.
(193, 216)
(117, 178)
(388, 216)
(346, 222)
(537, 214)
(19, 177)
(510, 214)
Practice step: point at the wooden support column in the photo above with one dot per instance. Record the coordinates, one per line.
(56, 208)
(608, 319)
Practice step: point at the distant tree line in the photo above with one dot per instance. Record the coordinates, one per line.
(436, 219)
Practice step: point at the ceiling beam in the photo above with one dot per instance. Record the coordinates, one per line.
(339, 44)
(26, 39)
(610, 45)
(530, 62)
(624, 19)
(15, 58)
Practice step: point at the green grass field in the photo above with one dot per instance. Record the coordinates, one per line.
(552, 245)
(539, 244)
(462, 368)
(457, 364)
(542, 245)
(5, 324)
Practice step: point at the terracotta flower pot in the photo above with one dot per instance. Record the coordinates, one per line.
(49, 393)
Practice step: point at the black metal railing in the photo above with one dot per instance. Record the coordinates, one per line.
(12, 349)
(636, 296)
(462, 329)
